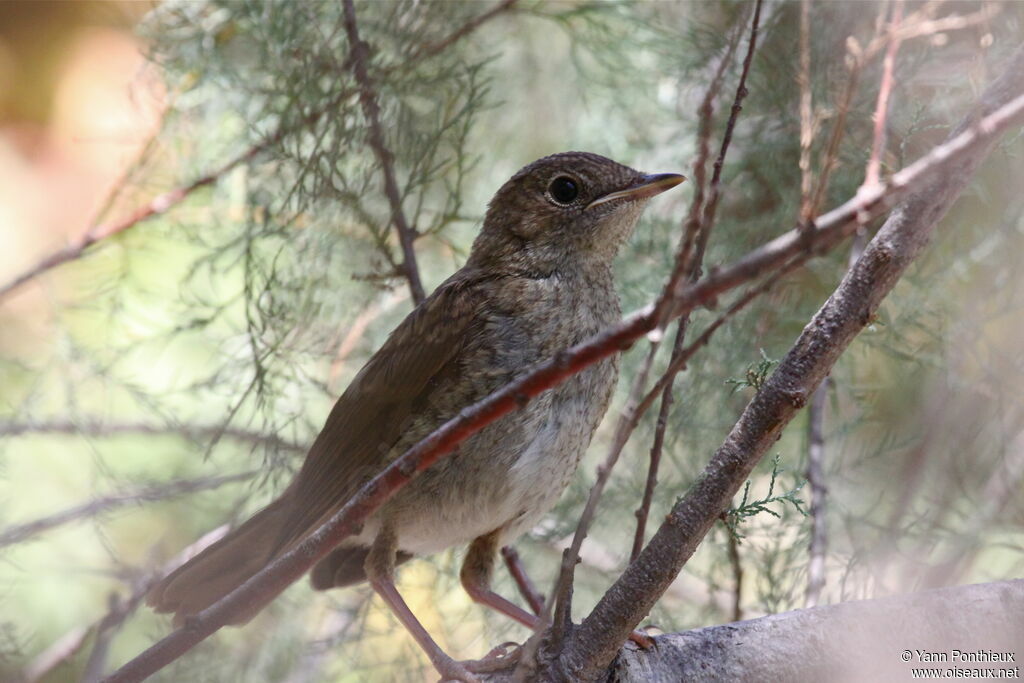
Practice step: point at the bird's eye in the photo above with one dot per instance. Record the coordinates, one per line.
(563, 190)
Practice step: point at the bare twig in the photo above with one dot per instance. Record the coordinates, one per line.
(522, 579)
(965, 149)
(881, 116)
(190, 432)
(806, 114)
(819, 495)
(705, 118)
(818, 547)
(654, 462)
(147, 494)
(154, 207)
(359, 56)
(733, 546)
(699, 224)
(917, 25)
(464, 30)
(592, 646)
(711, 208)
(562, 594)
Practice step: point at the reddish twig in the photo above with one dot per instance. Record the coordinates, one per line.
(359, 55)
(711, 208)
(561, 596)
(522, 579)
(827, 232)
(705, 118)
(654, 463)
(873, 172)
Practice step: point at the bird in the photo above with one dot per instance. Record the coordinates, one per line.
(538, 279)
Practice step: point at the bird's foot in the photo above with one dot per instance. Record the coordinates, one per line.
(452, 670)
(644, 641)
(501, 657)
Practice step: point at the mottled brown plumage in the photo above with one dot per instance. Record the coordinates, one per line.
(538, 280)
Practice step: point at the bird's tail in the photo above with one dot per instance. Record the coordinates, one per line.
(224, 566)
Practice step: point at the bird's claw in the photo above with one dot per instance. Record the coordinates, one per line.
(500, 657)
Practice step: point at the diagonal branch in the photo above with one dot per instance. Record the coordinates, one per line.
(359, 55)
(851, 307)
(944, 164)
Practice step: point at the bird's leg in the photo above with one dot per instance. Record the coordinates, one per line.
(380, 570)
(476, 579)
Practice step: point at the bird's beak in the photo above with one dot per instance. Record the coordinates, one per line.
(647, 187)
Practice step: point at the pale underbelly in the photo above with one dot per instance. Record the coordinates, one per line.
(473, 494)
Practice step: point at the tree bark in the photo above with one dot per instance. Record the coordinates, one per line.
(853, 641)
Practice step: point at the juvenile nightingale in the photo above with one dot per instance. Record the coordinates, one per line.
(538, 280)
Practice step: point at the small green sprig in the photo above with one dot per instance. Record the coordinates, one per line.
(734, 516)
(757, 374)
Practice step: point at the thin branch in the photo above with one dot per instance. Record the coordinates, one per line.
(699, 225)
(359, 56)
(654, 462)
(819, 495)
(464, 30)
(711, 208)
(705, 118)
(592, 646)
(526, 588)
(806, 114)
(562, 594)
(154, 207)
(189, 432)
(881, 116)
(946, 161)
(917, 27)
(818, 547)
(146, 494)
(733, 546)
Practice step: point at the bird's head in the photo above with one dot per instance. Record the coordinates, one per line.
(573, 208)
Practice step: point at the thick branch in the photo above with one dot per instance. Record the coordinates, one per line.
(964, 150)
(908, 229)
(851, 641)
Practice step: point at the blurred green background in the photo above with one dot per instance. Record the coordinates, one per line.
(212, 340)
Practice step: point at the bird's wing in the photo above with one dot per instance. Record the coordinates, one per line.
(382, 402)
